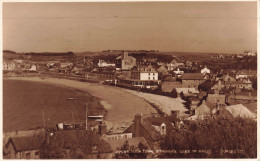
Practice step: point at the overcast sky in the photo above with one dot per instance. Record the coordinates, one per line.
(165, 26)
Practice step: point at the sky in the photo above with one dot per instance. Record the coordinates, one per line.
(220, 27)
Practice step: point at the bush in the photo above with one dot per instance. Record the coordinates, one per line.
(214, 134)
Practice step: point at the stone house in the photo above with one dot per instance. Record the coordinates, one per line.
(192, 80)
(26, 147)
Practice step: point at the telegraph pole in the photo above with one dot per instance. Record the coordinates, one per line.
(44, 125)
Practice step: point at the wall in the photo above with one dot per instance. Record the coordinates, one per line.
(192, 83)
(119, 136)
(148, 76)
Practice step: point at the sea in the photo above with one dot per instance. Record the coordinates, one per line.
(29, 105)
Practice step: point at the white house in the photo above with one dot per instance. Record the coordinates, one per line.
(102, 63)
(161, 128)
(178, 72)
(9, 65)
(205, 71)
(145, 73)
(33, 68)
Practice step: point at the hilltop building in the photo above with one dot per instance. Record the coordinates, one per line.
(125, 62)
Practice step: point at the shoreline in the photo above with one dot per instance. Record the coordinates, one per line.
(120, 105)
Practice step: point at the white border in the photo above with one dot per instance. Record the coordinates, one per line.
(258, 66)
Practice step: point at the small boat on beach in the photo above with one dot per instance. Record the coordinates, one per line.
(70, 98)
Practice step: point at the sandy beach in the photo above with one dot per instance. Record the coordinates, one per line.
(120, 104)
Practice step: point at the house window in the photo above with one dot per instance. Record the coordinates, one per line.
(149, 78)
(27, 155)
(37, 153)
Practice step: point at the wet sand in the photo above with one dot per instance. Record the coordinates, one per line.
(120, 104)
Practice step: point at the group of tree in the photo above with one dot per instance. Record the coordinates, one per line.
(215, 134)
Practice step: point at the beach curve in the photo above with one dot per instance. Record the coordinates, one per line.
(120, 104)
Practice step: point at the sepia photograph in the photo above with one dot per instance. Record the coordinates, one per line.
(129, 80)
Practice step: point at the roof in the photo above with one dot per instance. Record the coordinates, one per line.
(251, 106)
(192, 76)
(150, 129)
(241, 97)
(84, 138)
(186, 90)
(26, 143)
(207, 104)
(117, 144)
(240, 110)
(209, 84)
(168, 86)
(202, 94)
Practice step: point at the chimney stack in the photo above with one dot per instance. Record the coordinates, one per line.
(102, 128)
(176, 118)
(137, 124)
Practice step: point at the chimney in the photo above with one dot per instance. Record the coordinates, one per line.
(102, 128)
(137, 124)
(176, 118)
(125, 55)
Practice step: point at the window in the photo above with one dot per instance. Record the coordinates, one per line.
(37, 153)
(149, 78)
(27, 155)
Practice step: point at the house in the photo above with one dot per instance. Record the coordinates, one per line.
(227, 78)
(249, 53)
(242, 83)
(81, 143)
(192, 80)
(145, 73)
(174, 64)
(208, 86)
(105, 75)
(184, 91)
(65, 64)
(168, 86)
(206, 108)
(143, 128)
(178, 72)
(153, 128)
(103, 63)
(235, 98)
(205, 71)
(162, 70)
(132, 144)
(217, 99)
(188, 63)
(33, 68)
(25, 147)
(142, 77)
(125, 62)
(9, 65)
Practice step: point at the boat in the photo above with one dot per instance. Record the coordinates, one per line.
(70, 98)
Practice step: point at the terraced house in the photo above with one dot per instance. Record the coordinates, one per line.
(192, 80)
